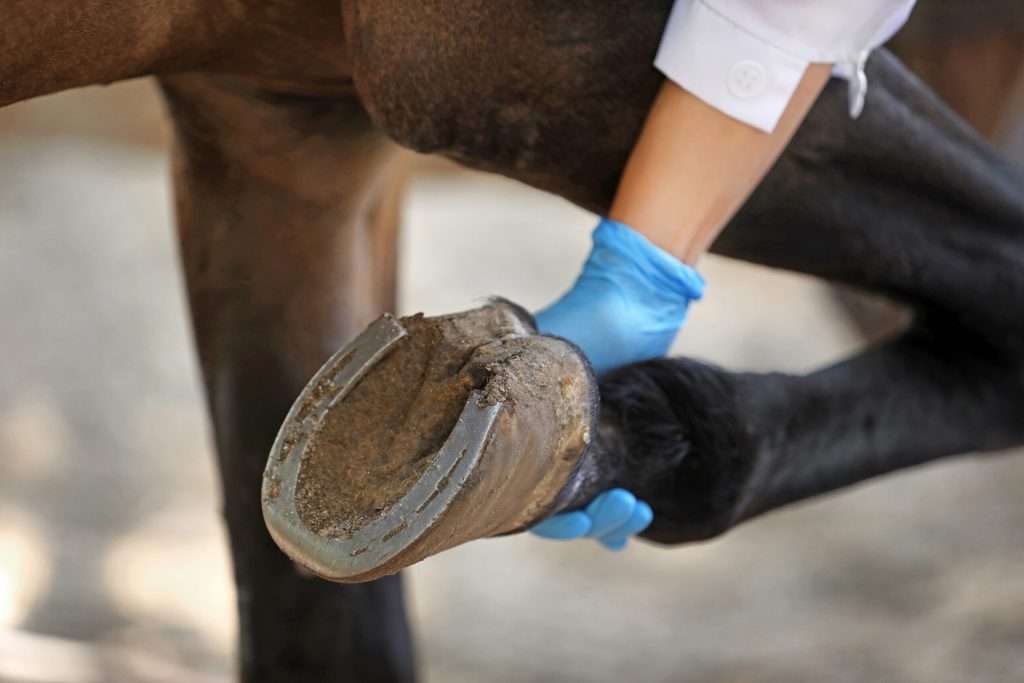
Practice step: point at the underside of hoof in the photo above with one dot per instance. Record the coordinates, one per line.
(425, 433)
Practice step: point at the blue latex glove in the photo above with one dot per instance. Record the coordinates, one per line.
(626, 306)
(628, 303)
(611, 518)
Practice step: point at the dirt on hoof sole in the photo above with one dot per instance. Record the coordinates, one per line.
(379, 440)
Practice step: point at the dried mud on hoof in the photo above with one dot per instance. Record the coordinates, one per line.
(378, 441)
(425, 433)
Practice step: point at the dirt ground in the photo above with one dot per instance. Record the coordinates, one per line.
(112, 557)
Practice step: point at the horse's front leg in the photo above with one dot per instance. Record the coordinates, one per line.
(275, 196)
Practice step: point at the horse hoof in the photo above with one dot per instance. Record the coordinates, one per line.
(425, 433)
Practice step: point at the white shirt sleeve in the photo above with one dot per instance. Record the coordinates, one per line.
(746, 57)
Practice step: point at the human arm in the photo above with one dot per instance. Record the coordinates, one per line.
(694, 166)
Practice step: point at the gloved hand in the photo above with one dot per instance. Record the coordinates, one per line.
(611, 518)
(626, 306)
(628, 303)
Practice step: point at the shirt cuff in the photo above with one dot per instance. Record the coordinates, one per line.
(728, 67)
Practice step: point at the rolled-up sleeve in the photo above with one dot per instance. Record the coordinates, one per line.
(746, 57)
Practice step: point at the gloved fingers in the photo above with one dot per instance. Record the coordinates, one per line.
(614, 545)
(640, 516)
(640, 519)
(611, 518)
(564, 527)
(609, 511)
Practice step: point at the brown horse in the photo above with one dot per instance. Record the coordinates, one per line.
(283, 112)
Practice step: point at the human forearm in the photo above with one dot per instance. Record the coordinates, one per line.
(693, 166)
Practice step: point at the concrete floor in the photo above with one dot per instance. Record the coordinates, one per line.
(112, 558)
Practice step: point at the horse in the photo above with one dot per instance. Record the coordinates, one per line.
(286, 116)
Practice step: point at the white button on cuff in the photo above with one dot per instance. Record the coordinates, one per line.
(748, 79)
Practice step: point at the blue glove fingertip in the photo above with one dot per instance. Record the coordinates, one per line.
(642, 517)
(564, 527)
(610, 510)
(615, 544)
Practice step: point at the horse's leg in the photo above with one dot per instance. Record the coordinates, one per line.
(947, 45)
(275, 206)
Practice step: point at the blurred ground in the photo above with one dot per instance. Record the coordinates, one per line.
(112, 558)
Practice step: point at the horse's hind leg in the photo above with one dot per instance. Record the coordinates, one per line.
(948, 53)
(275, 205)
